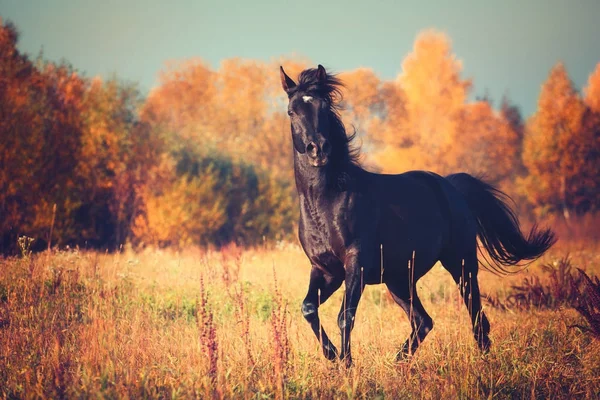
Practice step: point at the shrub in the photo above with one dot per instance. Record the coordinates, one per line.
(588, 303)
(214, 200)
(560, 289)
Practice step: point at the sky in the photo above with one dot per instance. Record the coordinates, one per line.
(507, 47)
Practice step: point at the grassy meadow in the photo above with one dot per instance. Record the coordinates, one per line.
(227, 324)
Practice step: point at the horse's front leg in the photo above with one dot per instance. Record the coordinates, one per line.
(320, 288)
(354, 289)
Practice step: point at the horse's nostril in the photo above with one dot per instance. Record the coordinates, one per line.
(311, 147)
(326, 147)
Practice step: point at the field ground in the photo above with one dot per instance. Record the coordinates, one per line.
(228, 324)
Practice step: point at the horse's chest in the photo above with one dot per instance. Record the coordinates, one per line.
(322, 236)
(322, 226)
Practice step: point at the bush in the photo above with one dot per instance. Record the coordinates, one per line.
(214, 200)
(588, 303)
(560, 287)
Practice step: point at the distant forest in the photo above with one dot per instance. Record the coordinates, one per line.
(206, 157)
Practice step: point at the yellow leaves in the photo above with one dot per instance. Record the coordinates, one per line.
(107, 133)
(188, 212)
(394, 160)
(561, 149)
(361, 92)
(184, 102)
(554, 125)
(216, 201)
(422, 108)
(430, 75)
(592, 91)
(425, 121)
(361, 102)
(237, 109)
(485, 143)
(243, 85)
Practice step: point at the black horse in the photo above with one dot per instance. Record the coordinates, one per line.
(364, 228)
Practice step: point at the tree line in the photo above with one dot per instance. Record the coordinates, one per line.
(205, 157)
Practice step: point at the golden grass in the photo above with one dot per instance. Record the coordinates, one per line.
(228, 324)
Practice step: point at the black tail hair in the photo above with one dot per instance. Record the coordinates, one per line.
(498, 228)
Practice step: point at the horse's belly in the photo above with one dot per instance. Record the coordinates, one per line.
(405, 239)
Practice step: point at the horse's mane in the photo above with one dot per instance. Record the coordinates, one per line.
(330, 89)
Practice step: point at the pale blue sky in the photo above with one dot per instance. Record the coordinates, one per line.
(506, 46)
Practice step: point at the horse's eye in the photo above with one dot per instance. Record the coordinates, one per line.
(290, 112)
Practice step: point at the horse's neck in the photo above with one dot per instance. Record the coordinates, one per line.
(315, 184)
(311, 182)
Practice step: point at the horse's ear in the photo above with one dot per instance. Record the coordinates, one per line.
(286, 82)
(321, 73)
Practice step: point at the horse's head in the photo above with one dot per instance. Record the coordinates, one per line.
(310, 109)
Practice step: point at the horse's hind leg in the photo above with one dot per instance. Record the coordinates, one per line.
(320, 288)
(464, 273)
(420, 322)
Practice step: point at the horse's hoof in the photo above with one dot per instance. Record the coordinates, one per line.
(484, 345)
(330, 352)
(402, 356)
(347, 361)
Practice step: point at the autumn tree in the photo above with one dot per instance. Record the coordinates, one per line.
(486, 144)
(117, 157)
(362, 103)
(433, 94)
(227, 146)
(558, 151)
(40, 130)
(234, 110)
(73, 154)
(394, 149)
(249, 124)
(591, 127)
(16, 73)
(513, 117)
(592, 90)
(181, 107)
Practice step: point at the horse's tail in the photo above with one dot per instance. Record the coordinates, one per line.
(497, 225)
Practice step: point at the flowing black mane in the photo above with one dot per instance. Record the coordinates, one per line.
(330, 90)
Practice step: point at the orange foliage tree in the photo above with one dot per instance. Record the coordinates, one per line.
(592, 90)
(226, 147)
(40, 130)
(234, 110)
(433, 95)
(591, 134)
(486, 144)
(561, 155)
(425, 121)
(362, 103)
(117, 157)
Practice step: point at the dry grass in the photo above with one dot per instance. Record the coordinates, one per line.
(228, 324)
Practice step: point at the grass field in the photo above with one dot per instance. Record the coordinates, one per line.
(228, 325)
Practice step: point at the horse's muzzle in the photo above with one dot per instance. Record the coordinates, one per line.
(318, 153)
(319, 162)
